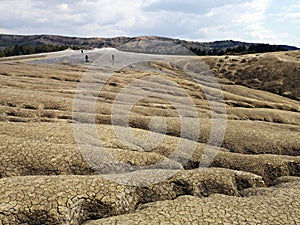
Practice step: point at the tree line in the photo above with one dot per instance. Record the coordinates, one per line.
(29, 49)
(240, 50)
(253, 48)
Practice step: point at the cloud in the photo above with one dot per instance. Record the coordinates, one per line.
(189, 19)
(259, 32)
(63, 7)
(253, 20)
(290, 13)
(254, 11)
(187, 6)
(244, 20)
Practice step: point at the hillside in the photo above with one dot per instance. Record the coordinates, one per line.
(145, 44)
(149, 139)
(278, 73)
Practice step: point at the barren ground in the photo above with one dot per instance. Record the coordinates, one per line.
(48, 176)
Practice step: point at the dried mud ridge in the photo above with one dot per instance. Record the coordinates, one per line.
(254, 178)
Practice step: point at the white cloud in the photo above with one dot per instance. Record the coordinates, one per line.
(187, 6)
(259, 32)
(290, 13)
(243, 21)
(63, 7)
(189, 19)
(6, 31)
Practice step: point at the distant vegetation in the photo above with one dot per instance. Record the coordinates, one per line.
(11, 45)
(29, 49)
(240, 50)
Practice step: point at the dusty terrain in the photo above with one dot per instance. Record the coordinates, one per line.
(47, 176)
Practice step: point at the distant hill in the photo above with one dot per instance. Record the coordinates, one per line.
(145, 44)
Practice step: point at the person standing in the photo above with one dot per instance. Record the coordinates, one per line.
(86, 58)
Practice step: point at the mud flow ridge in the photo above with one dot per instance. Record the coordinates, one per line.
(52, 104)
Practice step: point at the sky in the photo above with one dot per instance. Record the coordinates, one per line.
(263, 21)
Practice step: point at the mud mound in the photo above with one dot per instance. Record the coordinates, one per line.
(145, 163)
(74, 199)
(260, 206)
(274, 72)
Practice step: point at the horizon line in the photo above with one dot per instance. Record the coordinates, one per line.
(139, 36)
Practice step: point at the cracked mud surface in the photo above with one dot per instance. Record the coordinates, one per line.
(46, 179)
(279, 205)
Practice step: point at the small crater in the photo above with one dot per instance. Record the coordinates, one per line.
(113, 84)
(30, 107)
(5, 74)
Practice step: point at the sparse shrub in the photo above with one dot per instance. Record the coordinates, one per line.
(29, 49)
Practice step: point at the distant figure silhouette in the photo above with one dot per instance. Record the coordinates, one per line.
(82, 51)
(112, 58)
(86, 58)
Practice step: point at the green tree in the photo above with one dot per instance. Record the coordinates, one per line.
(18, 50)
(29, 49)
(9, 51)
(2, 53)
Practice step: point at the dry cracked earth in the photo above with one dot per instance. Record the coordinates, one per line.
(150, 139)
